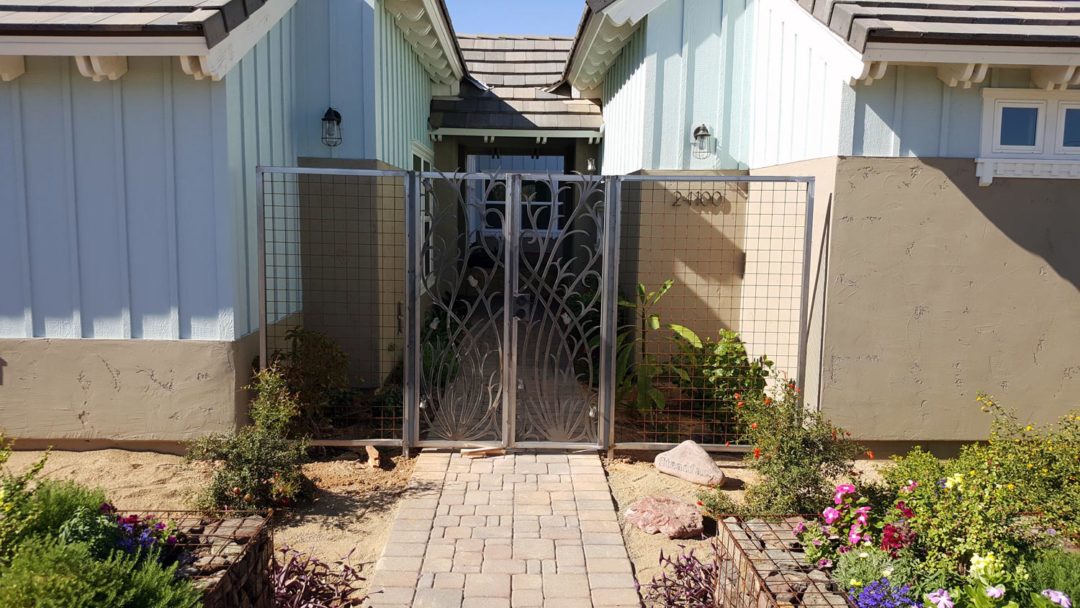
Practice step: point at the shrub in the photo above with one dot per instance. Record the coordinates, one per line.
(796, 453)
(301, 581)
(55, 502)
(687, 580)
(259, 465)
(711, 372)
(1010, 496)
(92, 528)
(1056, 569)
(18, 510)
(857, 568)
(316, 371)
(49, 573)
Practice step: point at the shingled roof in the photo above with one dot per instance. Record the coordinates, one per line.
(1019, 22)
(517, 70)
(210, 19)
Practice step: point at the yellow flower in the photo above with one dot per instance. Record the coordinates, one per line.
(1029, 428)
(855, 583)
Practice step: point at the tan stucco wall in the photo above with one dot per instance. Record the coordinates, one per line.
(823, 170)
(939, 289)
(124, 390)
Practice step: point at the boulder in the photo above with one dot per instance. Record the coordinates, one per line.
(691, 462)
(673, 518)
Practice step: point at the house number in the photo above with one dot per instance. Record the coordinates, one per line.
(697, 199)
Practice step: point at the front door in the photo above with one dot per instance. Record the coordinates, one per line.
(511, 310)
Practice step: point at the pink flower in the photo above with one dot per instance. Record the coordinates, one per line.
(905, 510)
(831, 515)
(853, 535)
(995, 593)
(799, 528)
(841, 491)
(863, 515)
(941, 599)
(911, 485)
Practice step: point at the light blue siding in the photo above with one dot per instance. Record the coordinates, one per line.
(403, 98)
(624, 93)
(335, 59)
(260, 99)
(911, 112)
(111, 231)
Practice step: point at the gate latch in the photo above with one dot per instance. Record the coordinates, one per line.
(522, 304)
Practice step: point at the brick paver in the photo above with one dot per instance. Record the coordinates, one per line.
(519, 530)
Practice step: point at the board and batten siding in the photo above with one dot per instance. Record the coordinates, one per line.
(799, 78)
(128, 205)
(116, 214)
(911, 112)
(263, 129)
(624, 93)
(335, 59)
(403, 99)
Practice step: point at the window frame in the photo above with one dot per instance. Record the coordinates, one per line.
(1050, 127)
(1059, 132)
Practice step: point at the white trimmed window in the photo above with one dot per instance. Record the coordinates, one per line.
(1029, 133)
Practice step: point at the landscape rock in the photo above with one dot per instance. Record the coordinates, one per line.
(673, 518)
(691, 462)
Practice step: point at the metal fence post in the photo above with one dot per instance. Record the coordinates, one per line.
(260, 205)
(804, 313)
(411, 369)
(609, 311)
(511, 233)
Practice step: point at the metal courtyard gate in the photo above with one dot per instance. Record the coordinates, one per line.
(522, 310)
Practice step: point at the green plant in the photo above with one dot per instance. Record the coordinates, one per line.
(316, 370)
(1056, 569)
(711, 372)
(1011, 496)
(258, 466)
(636, 381)
(796, 453)
(49, 573)
(861, 565)
(18, 511)
(57, 501)
(95, 530)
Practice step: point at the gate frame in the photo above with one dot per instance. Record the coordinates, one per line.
(612, 188)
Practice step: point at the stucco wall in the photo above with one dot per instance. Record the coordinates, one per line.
(127, 390)
(940, 289)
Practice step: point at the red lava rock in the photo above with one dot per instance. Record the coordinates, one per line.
(674, 518)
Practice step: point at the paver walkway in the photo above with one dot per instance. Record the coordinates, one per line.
(514, 530)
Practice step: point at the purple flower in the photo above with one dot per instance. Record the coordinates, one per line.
(881, 594)
(799, 528)
(831, 515)
(941, 599)
(824, 563)
(996, 592)
(853, 535)
(1057, 597)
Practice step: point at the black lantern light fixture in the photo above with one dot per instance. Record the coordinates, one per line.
(701, 141)
(331, 128)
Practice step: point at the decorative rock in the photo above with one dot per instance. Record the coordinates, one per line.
(691, 462)
(674, 518)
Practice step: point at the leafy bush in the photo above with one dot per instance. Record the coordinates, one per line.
(92, 528)
(259, 465)
(55, 502)
(1056, 569)
(316, 371)
(688, 580)
(303, 581)
(712, 372)
(49, 573)
(1011, 496)
(797, 453)
(856, 569)
(18, 511)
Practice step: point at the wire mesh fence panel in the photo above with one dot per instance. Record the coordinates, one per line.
(710, 287)
(334, 273)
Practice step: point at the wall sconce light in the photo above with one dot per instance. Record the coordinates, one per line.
(590, 166)
(701, 142)
(331, 128)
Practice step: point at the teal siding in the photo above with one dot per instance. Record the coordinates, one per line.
(259, 101)
(403, 98)
(911, 112)
(624, 108)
